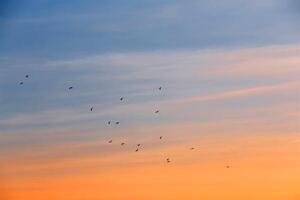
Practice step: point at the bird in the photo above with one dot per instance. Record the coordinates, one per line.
(160, 88)
(92, 108)
(122, 143)
(192, 148)
(157, 111)
(122, 98)
(110, 141)
(137, 150)
(117, 122)
(227, 166)
(108, 122)
(27, 76)
(70, 88)
(21, 83)
(138, 145)
(168, 160)
(160, 137)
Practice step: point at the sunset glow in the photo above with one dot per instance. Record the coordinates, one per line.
(215, 108)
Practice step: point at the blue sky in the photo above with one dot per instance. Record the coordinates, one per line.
(95, 46)
(59, 29)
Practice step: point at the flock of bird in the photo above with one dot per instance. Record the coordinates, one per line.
(123, 143)
(117, 122)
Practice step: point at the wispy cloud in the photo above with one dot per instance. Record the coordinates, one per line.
(211, 74)
(258, 90)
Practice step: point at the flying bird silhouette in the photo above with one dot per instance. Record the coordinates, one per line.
(122, 98)
(160, 88)
(122, 143)
(160, 137)
(27, 76)
(91, 108)
(137, 150)
(108, 122)
(157, 111)
(117, 122)
(70, 88)
(227, 166)
(21, 83)
(192, 148)
(168, 160)
(110, 141)
(138, 145)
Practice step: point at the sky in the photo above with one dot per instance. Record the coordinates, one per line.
(229, 72)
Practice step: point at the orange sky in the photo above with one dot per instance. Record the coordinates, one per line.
(261, 167)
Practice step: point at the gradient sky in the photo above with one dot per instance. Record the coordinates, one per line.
(231, 89)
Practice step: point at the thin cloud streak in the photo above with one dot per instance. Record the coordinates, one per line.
(209, 73)
(258, 90)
